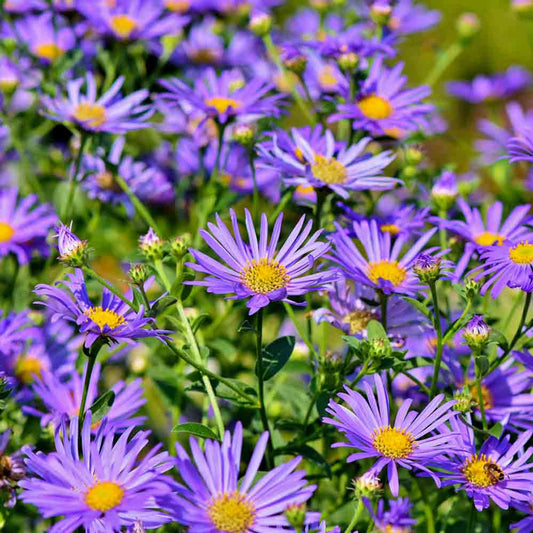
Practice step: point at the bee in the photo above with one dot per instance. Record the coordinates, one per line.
(494, 472)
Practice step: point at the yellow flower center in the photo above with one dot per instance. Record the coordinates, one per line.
(204, 56)
(105, 180)
(104, 496)
(178, 6)
(123, 25)
(522, 253)
(6, 232)
(488, 239)
(328, 170)
(264, 276)
(304, 190)
(388, 270)
(375, 107)
(488, 399)
(222, 104)
(48, 51)
(93, 115)
(481, 471)
(105, 317)
(8, 85)
(393, 229)
(393, 443)
(231, 513)
(327, 78)
(27, 368)
(358, 320)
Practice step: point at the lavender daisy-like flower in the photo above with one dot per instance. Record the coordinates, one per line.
(258, 271)
(383, 106)
(112, 486)
(113, 320)
(212, 499)
(24, 225)
(110, 113)
(12, 469)
(381, 266)
(526, 524)
(396, 519)
(521, 148)
(480, 232)
(412, 442)
(62, 399)
(490, 473)
(337, 166)
(15, 330)
(225, 97)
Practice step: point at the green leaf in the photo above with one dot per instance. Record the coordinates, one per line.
(482, 363)
(375, 331)
(308, 453)
(198, 430)
(496, 430)
(418, 305)
(275, 356)
(223, 391)
(246, 327)
(352, 341)
(499, 338)
(322, 402)
(101, 406)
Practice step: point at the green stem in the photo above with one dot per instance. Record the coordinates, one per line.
(438, 328)
(73, 178)
(428, 510)
(480, 391)
(300, 331)
(443, 62)
(255, 200)
(443, 236)
(261, 389)
(89, 271)
(383, 300)
(458, 323)
(139, 206)
(355, 518)
(91, 360)
(285, 199)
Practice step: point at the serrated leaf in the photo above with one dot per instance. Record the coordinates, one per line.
(196, 429)
(275, 356)
(496, 430)
(101, 406)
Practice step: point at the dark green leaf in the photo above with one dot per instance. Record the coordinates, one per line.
(418, 305)
(496, 430)
(482, 363)
(198, 430)
(322, 402)
(309, 453)
(101, 406)
(275, 355)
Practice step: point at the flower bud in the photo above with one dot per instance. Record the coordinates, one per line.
(295, 515)
(523, 8)
(138, 527)
(367, 485)
(138, 359)
(139, 274)
(348, 61)
(445, 191)
(293, 59)
(467, 26)
(476, 333)
(180, 245)
(380, 348)
(72, 251)
(427, 268)
(414, 155)
(380, 12)
(320, 5)
(260, 23)
(472, 288)
(151, 245)
(464, 401)
(244, 134)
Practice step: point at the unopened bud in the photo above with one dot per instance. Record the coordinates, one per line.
(180, 245)
(445, 191)
(348, 61)
(467, 26)
(72, 251)
(427, 268)
(476, 333)
(260, 23)
(138, 527)
(139, 274)
(151, 245)
(464, 401)
(367, 485)
(380, 348)
(523, 8)
(472, 288)
(244, 134)
(295, 515)
(380, 12)
(414, 155)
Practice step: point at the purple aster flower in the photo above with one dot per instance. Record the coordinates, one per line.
(23, 6)
(110, 487)
(15, 330)
(526, 524)
(322, 527)
(258, 270)
(335, 165)
(132, 20)
(492, 473)
(307, 25)
(225, 97)
(409, 17)
(113, 320)
(383, 106)
(212, 499)
(411, 442)
(351, 312)
(508, 265)
(24, 225)
(483, 88)
(380, 265)
(13, 469)
(63, 399)
(521, 148)
(202, 46)
(110, 113)
(480, 232)
(323, 76)
(48, 38)
(397, 519)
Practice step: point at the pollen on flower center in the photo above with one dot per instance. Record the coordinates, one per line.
(522, 253)
(488, 239)
(231, 513)
(388, 270)
(93, 115)
(328, 170)
(327, 77)
(476, 472)
(393, 229)
(358, 320)
(393, 443)
(222, 104)
(375, 107)
(488, 399)
(264, 276)
(6, 232)
(104, 496)
(123, 25)
(27, 368)
(48, 51)
(105, 317)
